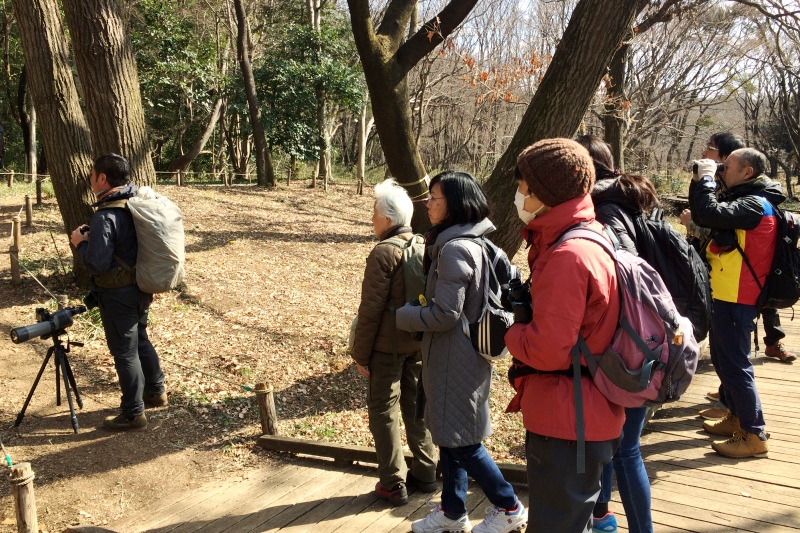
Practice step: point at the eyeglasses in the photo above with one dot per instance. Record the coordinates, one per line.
(434, 198)
(712, 148)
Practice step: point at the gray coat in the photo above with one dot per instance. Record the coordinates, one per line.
(455, 378)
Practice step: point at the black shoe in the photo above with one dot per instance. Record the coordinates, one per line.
(398, 495)
(123, 423)
(422, 486)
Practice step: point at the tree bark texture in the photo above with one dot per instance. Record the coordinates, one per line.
(593, 34)
(615, 121)
(387, 58)
(265, 175)
(110, 83)
(63, 128)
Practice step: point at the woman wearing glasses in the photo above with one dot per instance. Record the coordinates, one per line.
(456, 380)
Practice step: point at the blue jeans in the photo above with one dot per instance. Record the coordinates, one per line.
(632, 481)
(732, 326)
(474, 461)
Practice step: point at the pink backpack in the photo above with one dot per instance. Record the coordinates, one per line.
(653, 355)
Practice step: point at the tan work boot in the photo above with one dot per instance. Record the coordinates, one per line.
(742, 444)
(713, 396)
(122, 423)
(713, 413)
(155, 400)
(725, 427)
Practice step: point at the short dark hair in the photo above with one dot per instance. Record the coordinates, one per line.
(726, 143)
(115, 167)
(464, 197)
(753, 158)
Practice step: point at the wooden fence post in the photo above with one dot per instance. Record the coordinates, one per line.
(13, 250)
(24, 499)
(266, 409)
(39, 179)
(10, 178)
(28, 211)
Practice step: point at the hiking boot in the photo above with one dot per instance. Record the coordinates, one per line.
(123, 423)
(437, 522)
(779, 352)
(155, 400)
(397, 496)
(607, 524)
(725, 427)
(742, 444)
(422, 486)
(713, 413)
(502, 521)
(713, 396)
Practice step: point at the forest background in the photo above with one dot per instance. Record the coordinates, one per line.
(266, 118)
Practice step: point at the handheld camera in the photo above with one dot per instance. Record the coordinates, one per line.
(46, 324)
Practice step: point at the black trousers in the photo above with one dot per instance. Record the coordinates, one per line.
(124, 314)
(773, 332)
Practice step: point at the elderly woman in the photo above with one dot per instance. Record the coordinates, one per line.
(390, 358)
(456, 379)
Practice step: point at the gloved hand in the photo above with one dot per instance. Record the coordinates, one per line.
(523, 312)
(706, 167)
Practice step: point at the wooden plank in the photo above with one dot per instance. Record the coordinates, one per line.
(513, 473)
(321, 513)
(225, 509)
(300, 501)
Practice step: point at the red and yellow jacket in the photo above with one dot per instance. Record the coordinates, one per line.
(745, 215)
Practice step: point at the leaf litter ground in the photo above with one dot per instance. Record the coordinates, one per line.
(273, 281)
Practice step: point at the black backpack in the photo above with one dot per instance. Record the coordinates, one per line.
(488, 333)
(782, 286)
(682, 269)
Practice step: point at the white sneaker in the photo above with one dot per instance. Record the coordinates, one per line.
(437, 522)
(499, 521)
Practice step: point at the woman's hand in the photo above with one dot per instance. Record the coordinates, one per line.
(363, 370)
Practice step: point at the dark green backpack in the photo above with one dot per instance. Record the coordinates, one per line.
(414, 277)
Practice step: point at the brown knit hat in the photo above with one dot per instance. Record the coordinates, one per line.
(556, 170)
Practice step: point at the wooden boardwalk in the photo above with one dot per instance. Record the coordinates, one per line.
(693, 488)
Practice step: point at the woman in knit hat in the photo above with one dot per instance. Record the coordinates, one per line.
(618, 199)
(574, 291)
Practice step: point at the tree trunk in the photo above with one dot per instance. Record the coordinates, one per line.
(561, 100)
(110, 82)
(615, 119)
(387, 57)
(265, 174)
(182, 162)
(363, 133)
(64, 132)
(27, 122)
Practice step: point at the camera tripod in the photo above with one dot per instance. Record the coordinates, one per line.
(63, 370)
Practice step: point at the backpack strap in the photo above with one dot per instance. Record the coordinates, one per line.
(581, 347)
(401, 244)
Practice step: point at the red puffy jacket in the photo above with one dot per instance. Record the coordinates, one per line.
(574, 289)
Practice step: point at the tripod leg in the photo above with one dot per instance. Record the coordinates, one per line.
(61, 361)
(71, 376)
(33, 388)
(58, 377)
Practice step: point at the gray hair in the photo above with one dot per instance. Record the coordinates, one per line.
(751, 157)
(392, 200)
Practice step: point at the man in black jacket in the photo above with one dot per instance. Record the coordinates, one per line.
(742, 217)
(108, 247)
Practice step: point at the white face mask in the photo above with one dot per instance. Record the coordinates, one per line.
(519, 203)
